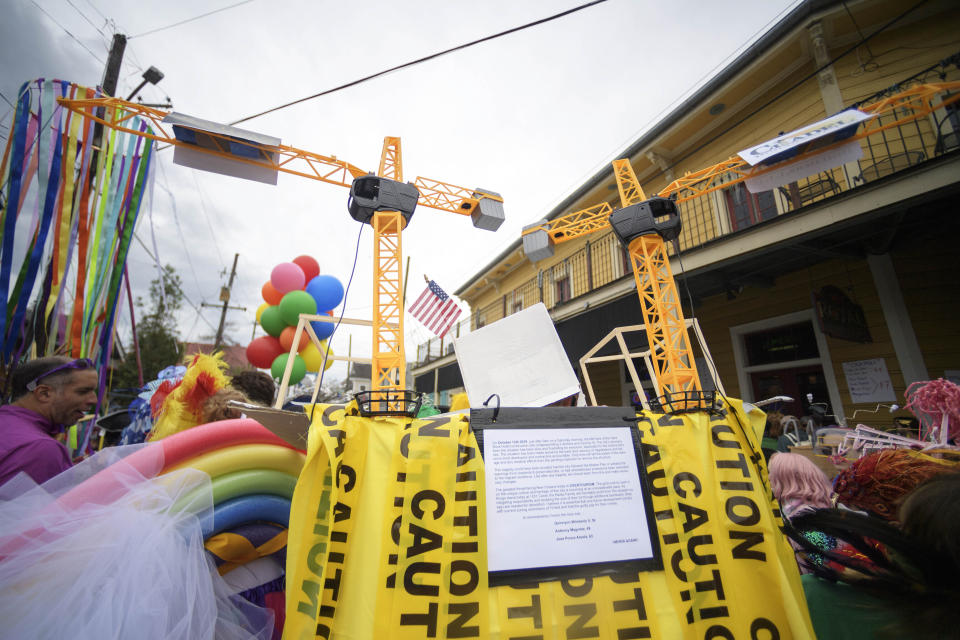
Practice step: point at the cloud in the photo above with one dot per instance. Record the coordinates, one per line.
(530, 116)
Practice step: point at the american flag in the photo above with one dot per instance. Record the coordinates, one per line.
(435, 309)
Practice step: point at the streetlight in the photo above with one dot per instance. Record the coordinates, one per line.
(151, 75)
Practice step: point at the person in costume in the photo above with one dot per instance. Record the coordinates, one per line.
(47, 394)
(801, 487)
(909, 588)
(181, 405)
(256, 385)
(878, 483)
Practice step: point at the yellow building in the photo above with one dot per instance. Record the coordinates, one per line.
(874, 240)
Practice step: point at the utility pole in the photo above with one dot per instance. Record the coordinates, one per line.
(225, 297)
(111, 74)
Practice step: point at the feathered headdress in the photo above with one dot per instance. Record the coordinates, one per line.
(181, 404)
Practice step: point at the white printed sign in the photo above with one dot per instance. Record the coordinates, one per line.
(869, 381)
(805, 135)
(561, 497)
(793, 171)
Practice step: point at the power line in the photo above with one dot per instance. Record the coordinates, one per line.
(177, 24)
(425, 59)
(105, 19)
(84, 16)
(786, 91)
(206, 216)
(6, 100)
(185, 296)
(176, 219)
(67, 32)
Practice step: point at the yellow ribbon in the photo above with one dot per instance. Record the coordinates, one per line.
(237, 550)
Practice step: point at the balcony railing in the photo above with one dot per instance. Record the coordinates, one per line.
(726, 210)
(437, 348)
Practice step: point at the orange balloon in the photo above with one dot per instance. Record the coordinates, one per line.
(286, 339)
(270, 294)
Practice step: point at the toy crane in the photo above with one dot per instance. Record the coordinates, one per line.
(643, 226)
(381, 200)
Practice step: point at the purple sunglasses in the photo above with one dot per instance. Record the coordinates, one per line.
(79, 363)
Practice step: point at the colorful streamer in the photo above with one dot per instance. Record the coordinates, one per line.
(69, 209)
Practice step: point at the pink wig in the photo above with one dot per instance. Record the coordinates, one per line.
(796, 480)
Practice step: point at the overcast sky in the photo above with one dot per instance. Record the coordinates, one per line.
(529, 115)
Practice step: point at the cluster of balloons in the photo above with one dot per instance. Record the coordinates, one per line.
(294, 287)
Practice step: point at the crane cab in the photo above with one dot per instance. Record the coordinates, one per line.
(372, 193)
(654, 216)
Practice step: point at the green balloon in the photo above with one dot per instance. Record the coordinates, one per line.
(272, 322)
(280, 363)
(293, 304)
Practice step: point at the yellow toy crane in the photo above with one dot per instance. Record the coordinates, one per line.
(643, 226)
(381, 200)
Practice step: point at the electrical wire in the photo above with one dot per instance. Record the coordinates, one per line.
(206, 216)
(789, 89)
(176, 219)
(869, 65)
(755, 454)
(105, 19)
(84, 16)
(425, 59)
(343, 309)
(7, 101)
(185, 296)
(659, 115)
(95, 56)
(177, 24)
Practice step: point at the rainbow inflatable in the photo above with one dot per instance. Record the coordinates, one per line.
(253, 474)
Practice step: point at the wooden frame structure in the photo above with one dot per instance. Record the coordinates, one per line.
(304, 325)
(627, 356)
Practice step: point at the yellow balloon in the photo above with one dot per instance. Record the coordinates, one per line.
(329, 360)
(313, 357)
(260, 310)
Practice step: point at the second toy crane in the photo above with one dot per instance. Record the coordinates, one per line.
(644, 226)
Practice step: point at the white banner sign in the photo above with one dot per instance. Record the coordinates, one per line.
(849, 152)
(803, 136)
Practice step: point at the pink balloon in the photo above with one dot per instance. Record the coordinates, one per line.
(287, 277)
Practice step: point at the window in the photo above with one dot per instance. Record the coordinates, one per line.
(783, 344)
(481, 319)
(561, 281)
(625, 258)
(747, 209)
(948, 128)
(517, 302)
(563, 289)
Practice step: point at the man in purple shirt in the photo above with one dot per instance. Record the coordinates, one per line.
(46, 394)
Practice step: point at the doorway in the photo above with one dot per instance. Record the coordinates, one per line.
(796, 382)
(788, 352)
